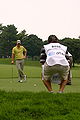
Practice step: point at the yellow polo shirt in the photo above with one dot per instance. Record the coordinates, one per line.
(18, 52)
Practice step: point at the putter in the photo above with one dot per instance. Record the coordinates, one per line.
(12, 72)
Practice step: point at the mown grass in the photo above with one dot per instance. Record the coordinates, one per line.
(39, 106)
(9, 71)
(9, 78)
(28, 62)
(32, 70)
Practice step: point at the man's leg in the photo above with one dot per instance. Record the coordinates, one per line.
(18, 68)
(47, 83)
(22, 72)
(19, 64)
(64, 75)
(62, 85)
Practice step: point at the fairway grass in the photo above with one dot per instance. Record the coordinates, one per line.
(29, 85)
(9, 78)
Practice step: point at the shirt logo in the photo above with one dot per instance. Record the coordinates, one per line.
(51, 53)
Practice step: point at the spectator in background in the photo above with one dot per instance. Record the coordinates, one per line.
(70, 60)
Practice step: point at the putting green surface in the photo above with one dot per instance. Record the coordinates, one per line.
(9, 78)
(36, 85)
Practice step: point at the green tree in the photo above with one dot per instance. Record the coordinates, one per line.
(33, 44)
(1, 29)
(73, 47)
(22, 35)
(8, 38)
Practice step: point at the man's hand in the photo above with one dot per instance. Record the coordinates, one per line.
(12, 62)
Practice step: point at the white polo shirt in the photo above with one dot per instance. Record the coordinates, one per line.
(56, 54)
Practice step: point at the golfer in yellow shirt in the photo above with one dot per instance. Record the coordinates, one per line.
(19, 53)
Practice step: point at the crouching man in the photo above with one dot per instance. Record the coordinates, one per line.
(53, 60)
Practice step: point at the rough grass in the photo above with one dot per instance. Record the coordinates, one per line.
(39, 106)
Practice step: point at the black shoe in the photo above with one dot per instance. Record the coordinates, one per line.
(68, 84)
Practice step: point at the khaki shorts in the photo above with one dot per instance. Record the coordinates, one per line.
(49, 71)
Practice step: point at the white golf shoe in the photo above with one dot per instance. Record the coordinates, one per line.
(25, 77)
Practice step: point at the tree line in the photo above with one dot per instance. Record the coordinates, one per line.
(9, 35)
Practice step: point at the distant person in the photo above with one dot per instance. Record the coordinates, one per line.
(70, 60)
(54, 61)
(19, 53)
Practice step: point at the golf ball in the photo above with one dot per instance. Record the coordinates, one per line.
(34, 85)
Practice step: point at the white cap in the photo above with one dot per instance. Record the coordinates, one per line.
(18, 42)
